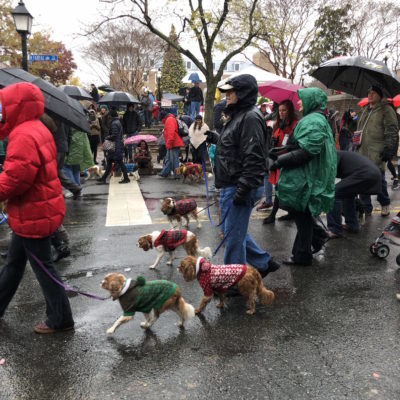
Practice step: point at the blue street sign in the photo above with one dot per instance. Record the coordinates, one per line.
(42, 57)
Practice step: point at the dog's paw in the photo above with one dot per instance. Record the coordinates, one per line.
(219, 305)
(169, 262)
(110, 331)
(197, 311)
(152, 267)
(250, 312)
(199, 225)
(145, 325)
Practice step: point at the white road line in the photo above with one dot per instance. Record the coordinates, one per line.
(126, 205)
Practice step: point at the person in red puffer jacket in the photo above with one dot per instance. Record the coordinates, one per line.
(35, 203)
(173, 143)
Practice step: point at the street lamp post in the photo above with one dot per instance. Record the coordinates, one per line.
(158, 76)
(23, 24)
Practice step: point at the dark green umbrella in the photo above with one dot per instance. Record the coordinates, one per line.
(354, 75)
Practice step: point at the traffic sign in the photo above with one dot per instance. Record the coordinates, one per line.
(42, 57)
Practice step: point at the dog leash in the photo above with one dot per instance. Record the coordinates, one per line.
(62, 284)
(209, 205)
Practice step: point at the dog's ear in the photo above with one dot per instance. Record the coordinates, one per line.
(115, 288)
(188, 268)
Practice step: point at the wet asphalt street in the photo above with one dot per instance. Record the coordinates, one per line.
(332, 333)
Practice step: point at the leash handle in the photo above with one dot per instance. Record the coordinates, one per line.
(62, 284)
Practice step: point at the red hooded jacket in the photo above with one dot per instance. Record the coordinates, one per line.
(171, 136)
(29, 182)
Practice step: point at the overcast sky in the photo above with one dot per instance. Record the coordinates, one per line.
(66, 19)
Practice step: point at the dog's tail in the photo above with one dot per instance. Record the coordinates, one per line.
(266, 296)
(185, 309)
(206, 253)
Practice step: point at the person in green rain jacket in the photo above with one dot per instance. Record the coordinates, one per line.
(306, 184)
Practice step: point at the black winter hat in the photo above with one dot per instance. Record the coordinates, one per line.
(377, 89)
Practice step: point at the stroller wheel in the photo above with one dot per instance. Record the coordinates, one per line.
(398, 260)
(372, 249)
(382, 251)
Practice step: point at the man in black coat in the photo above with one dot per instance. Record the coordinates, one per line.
(240, 167)
(358, 175)
(131, 124)
(196, 99)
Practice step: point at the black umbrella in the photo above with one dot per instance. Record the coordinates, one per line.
(106, 88)
(56, 103)
(354, 75)
(75, 92)
(118, 98)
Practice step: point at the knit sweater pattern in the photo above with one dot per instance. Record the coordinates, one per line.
(219, 278)
(171, 239)
(145, 298)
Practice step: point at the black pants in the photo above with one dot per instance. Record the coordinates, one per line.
(94, 141)
(197, 153)
(58, 310)
(309, 233)
(117, 163)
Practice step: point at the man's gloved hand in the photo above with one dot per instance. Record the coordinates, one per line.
(386, 154)
(274, 166)
(240, 197)
(210, 134)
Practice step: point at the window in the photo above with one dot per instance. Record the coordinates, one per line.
(188, 65)
(236, 66)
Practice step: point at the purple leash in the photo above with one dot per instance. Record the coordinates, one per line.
(62, 284)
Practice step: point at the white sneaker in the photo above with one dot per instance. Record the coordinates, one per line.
(385, 211)
(68, 195)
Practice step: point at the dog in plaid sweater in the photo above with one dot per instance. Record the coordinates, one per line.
(178, 209)
(218, 278)
(167, 241)
(189, 170)
(151, 298)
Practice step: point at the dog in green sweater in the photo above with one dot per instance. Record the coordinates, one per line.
(151, 298)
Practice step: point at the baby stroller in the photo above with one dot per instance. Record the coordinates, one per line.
(390, 235)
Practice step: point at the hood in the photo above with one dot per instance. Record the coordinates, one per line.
(314, 99)
(164, 119)
(246, 90)
(21, 102)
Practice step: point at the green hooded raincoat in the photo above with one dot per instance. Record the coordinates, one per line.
(311, 184)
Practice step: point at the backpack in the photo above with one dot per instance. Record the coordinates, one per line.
(183, 129)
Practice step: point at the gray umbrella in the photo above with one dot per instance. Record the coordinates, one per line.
(118, 98)
(172, 97)
(354, 75)
(56, 103)
(106, 88)
(75, 92)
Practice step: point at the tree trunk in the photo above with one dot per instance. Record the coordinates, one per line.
(209, 102)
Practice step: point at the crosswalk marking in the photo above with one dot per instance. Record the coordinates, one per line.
(126, 205)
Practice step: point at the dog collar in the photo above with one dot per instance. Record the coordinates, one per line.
(125, 288)
(198, 264)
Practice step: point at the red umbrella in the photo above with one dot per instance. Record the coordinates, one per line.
(138, 138)
(396, 101)
(279, 91)
(363, 102)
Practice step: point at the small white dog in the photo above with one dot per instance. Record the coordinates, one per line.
(168, 240)
(96, 171)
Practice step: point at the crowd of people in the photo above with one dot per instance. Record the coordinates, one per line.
(255, 152)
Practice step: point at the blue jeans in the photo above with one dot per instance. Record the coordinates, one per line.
(240, 248)
(269, 188)
(187, 109)
(334, 218)
(171, 161)
(131, 146)
(195, 108)
(73, 172)
(383, 197)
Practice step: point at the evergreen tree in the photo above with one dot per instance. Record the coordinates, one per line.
(332, 38)
(173, 69)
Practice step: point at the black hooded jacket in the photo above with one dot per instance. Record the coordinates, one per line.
(242, 150)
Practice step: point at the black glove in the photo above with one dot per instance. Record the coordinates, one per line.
(386, 154)
(240, 197)
(274, 166)
(292, 159)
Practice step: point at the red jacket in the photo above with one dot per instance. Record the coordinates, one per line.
(172, 139)
(29, 182)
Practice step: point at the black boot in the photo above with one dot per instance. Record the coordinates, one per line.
(271, 217)
(62, 252)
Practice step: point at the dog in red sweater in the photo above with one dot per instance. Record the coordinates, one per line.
(218, 278)
(167, 241)
(176, 210)
(189, 170)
